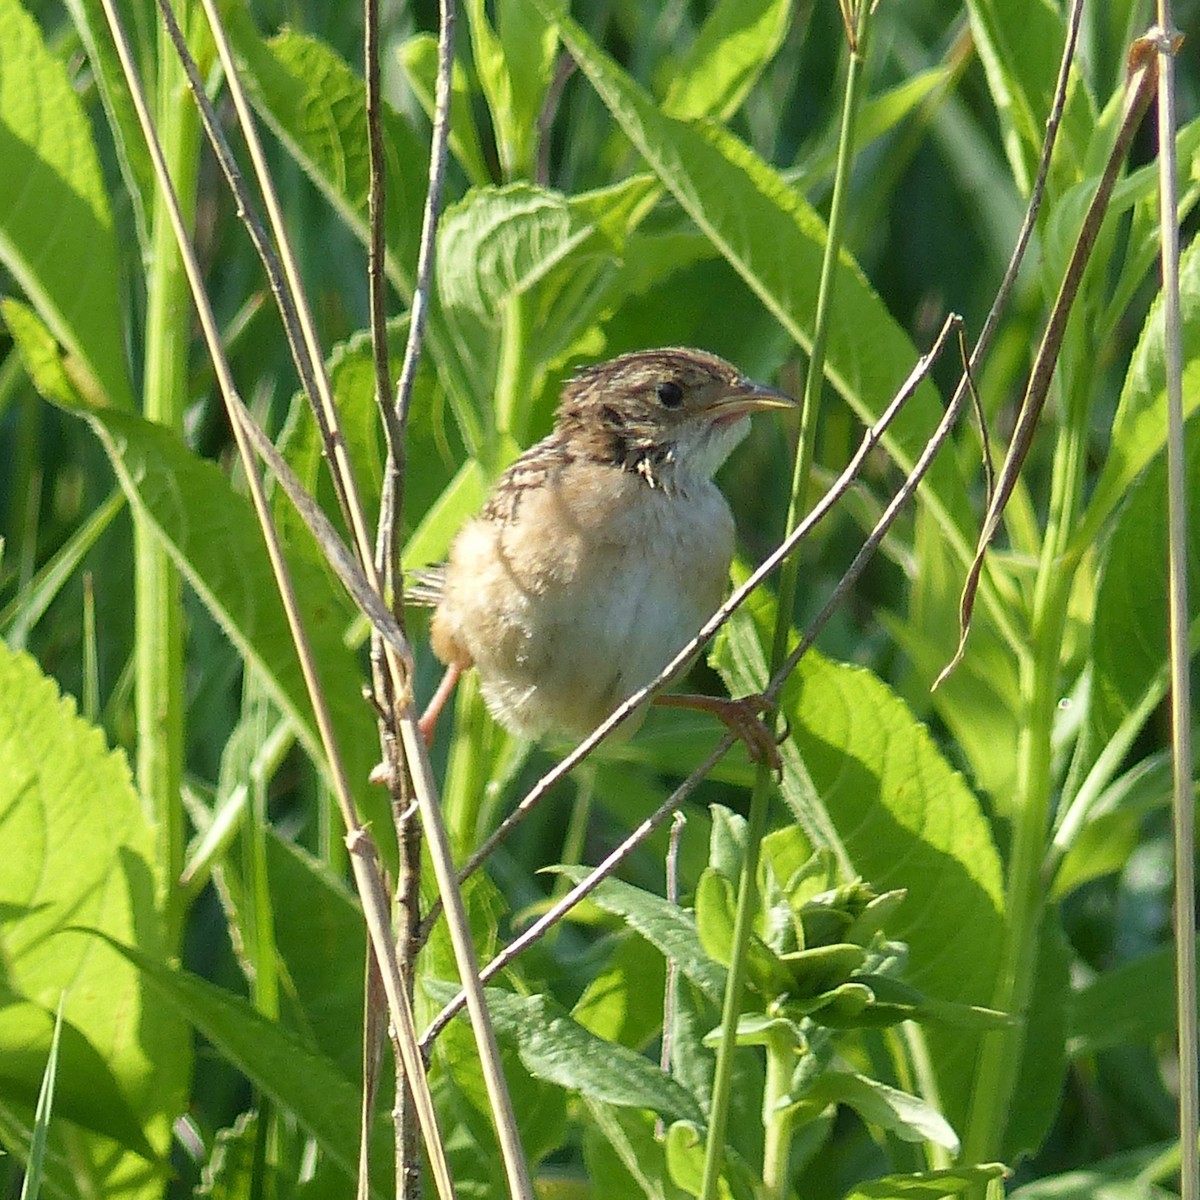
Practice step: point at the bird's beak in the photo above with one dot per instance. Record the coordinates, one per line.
(745, 396)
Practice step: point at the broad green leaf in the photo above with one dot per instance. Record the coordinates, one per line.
(904, 818)
(926, 1185)
(211, 533)
(1140, 425)
(1128, 1176)
(56, 231)
(559, 1050)
(79, 853)
(299, 1080)
(88, 1093)
(664, 925)
(775, 241)
(623, 1156)
(738, 38)
(910, 1118)
(1129, 629)
(1129, 1004)
(624, 1002)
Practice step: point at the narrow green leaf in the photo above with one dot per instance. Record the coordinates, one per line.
(31, 1185)
(663, 924)
(910, 1118)
(213, 536)
(736, 41)
(1140, 426)
(559, 1050)
(927, 1185)
(294, 1076)
(56, 232)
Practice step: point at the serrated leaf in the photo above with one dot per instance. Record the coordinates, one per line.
(56, 230)
(79, 851)
(559, 1050)
(905, 818)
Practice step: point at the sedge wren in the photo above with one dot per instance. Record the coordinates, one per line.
(601, 550)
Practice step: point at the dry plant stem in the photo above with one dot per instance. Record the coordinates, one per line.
(1166, 44)
(689, 785)
(1139, 90)
(340, 465)
(426, 792)
(363, 859)
(677, 665)
(519, 1183)
(308, 370)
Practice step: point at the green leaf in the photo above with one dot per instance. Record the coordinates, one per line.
(295, 1077)
(738, 38)
(910, 1118)
(1043, 1070)
(56, 231)
(1129, 628)
(559, 1050)
(927, 1185)
(79, 852)
(624, 1002)
(775, 241)
(821, 968)
(671, 929)
(229, 1173)
(31, 1185)
(316, 104)
(1127, 1005)
(905, 818)
(213, 536)
(1020, 44)
(1140, 426)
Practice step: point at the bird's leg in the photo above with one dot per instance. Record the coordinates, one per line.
(740, 716)
(445, 690)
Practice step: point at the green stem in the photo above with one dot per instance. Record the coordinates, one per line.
(1001, 1053)
(747, 905)
(158, 593)
(777, 1120)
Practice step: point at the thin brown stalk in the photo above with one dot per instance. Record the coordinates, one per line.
(1166, 45)
(363, 858)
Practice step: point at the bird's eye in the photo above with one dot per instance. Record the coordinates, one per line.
(670, 394)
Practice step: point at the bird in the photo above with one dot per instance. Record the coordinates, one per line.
(601, 550)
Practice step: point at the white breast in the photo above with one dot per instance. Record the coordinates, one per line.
(563, 629)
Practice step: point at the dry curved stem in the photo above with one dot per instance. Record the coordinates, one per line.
(362, 854)
(586, 886)
(1139, 91)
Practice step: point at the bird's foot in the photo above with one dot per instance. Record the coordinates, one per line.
(742, 717)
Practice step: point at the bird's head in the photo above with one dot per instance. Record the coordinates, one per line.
(664, 414)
